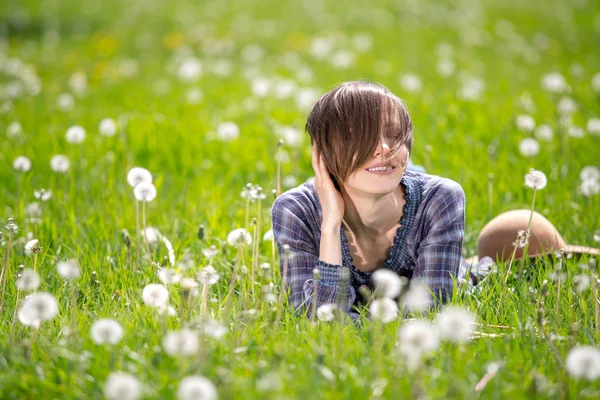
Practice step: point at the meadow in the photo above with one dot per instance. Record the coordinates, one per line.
(211, 98)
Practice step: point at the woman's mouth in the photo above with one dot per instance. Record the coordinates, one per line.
(381, 170)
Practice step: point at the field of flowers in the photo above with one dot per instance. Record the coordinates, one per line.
(142, 146)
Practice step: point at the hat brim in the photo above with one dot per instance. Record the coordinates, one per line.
(591, 251)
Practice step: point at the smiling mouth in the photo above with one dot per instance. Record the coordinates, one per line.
(380, 169)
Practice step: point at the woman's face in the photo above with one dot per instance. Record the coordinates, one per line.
(378, 176)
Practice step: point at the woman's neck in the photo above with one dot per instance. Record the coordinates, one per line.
(369, 216)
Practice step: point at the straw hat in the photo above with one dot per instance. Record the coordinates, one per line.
(497, 237)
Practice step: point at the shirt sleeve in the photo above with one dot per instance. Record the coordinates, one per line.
(290, 227)
(439, 252)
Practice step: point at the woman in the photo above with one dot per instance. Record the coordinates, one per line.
(365, 210)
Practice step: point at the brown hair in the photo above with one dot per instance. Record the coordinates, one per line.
(347, 122)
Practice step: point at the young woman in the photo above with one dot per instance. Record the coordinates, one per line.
(365, 210)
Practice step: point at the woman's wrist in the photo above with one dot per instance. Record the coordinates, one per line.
(331, 227)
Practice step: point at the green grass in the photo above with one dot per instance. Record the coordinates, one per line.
(468, 140)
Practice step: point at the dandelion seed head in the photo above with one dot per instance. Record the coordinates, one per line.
(583, 362)
(169, 276)
(181, 343)
(387, 283)
(529, 147)
(544, 132)
(417, 298)
(417, 338)
(144, 191)
(566, 105)
(137, 175)
(210, 252)
(589, 187)
(37, 308)
(42, 194)
(22, 164)
(196, 387)
(69, 269)
(589, 172)
(28, 279)
(227, 131)
(581, 282)
(152, 236)
(106, 331)
(535, 179)
(122, 386)
(455, 324)
(554, 82)
(14, 129)
(213, 329)
(65, 102)
(208, 275)
(155, 295)
(411, 83)
(75, 134)
(268, 236)
(384, 309)
(238, 237)
(108, 127)
(32, 247)
(60, 163)
(326, 312)
(525, 123)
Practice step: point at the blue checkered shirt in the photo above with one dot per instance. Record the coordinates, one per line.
(427, 245)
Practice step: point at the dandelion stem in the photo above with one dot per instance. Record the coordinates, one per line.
(279, 171)
(232, 280)
(596, 305)
(512, 258)
(144, 222)
(283, 283)
(314, 298)
(137, 232)
(247, 211)
(4, 275)
(204, 300)
(490, 194)
(254, 256)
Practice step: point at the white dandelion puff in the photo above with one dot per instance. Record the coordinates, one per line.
(208, 275)
(529, 147)
(384, 309)
(28, 279)
(190, 69)
(60, 163)
(152, 236)
(213, 329)
(239, 236)
(166, 309)
(584, 362)
(593, 126)
(145, 192)
(554, 82)
(268, 236)
(169, 276)
(326, 312)
(196, 387)
(417, 298)
(14, 129)
(566, 105)
(589, 172)
(155, 295)
(544, 132)
(137, 175)
(535, 179)
(22, 164)
(75, 134)
(525, 123)
(590, 187)
(210, 252)
(42, 194)
(227, 131)
(122, 386)
(69, 269)
(184, 342)
(107, 127)
(581, 282)
(106, 331)
(37, 308)
(417, 338)
(32, 247)
(65, 102)
(411, 83)
(387, 283)
(455, 324)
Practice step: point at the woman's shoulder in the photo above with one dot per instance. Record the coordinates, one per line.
(436, 188)
(302, 199)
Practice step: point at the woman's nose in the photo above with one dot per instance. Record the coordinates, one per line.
(383, 147)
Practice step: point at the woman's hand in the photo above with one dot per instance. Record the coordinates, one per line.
(331, 199)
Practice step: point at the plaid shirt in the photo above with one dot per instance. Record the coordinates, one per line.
(427, 245)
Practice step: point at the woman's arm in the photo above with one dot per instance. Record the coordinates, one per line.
(439, 252)
(290, 227)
